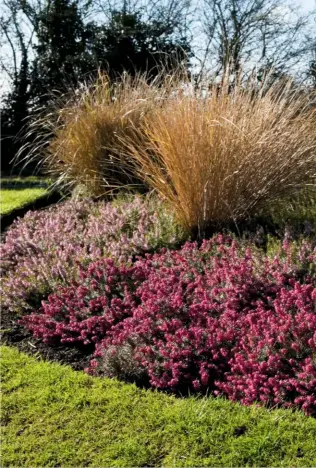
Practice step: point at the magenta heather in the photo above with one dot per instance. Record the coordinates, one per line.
(218, 318)
(85, 313)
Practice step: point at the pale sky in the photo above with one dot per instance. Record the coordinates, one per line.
(307, 4)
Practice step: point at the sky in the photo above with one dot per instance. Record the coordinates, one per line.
(307, 5)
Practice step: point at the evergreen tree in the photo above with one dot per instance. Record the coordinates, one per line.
(67, 50)
(61, 55)
(130, 44)
(312, 73)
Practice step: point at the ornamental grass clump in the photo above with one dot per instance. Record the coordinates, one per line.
(43, 250)
(78, 142)
(218, 318)
(226, 154)
(219, 154)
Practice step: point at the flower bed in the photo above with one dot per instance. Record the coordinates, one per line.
(42, 250)
(219, 318)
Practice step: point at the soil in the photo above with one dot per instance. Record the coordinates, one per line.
(13, 334)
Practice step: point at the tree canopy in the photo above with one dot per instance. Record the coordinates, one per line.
(52, 45)
(61, 48)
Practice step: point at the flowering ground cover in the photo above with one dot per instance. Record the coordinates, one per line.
(53, 416)
(87, 284)
(219, 319)
(43, 249)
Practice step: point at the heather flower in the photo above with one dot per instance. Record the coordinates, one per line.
(43, 250)
(217, 318)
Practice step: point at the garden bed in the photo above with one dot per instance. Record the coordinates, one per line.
(60, 251)
(49, 246)
(216, 317)
(120, 290)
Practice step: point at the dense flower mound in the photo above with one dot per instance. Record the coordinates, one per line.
(84, 313)
(42, 250)
(217, 318)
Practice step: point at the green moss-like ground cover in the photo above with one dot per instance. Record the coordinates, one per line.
(54, 416)
(12, 199)
(18, 191)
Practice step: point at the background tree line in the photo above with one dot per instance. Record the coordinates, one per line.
(50, 46)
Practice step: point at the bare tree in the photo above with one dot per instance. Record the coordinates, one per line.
(311, 49)
(16, 35)
(19, 24)
(242, 34)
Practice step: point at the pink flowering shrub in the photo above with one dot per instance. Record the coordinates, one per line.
(219, 318)
(42, 250)
(86, 312)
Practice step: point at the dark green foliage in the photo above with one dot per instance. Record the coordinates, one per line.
(312, 72)
(68, 50)
(15, 110)
(128, 43)
(62, 58)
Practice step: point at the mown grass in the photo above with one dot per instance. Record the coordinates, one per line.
(12, 199)
(54, 416)
(18, 191)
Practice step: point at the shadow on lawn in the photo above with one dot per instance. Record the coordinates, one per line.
(14, 184)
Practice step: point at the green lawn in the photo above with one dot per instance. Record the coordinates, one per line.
(12, 199)
(54, 416)
(18, 191)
